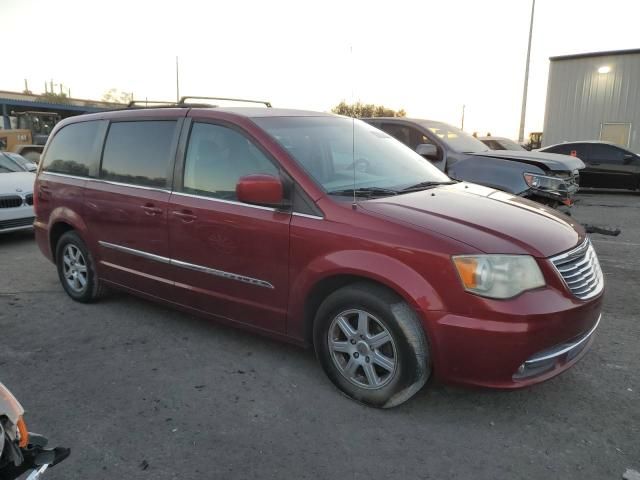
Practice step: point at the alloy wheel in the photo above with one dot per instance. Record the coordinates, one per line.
(362, 349)
(74, 268)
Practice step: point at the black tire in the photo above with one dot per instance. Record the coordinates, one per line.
(409, 346)
(92, 289)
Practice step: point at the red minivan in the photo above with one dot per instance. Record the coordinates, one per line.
(321, 230)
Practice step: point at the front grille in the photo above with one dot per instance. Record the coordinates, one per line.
(10, 201)
(581, 271)
(18, 222)
(28, 199)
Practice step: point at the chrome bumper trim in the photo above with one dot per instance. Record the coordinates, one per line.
(562, 349)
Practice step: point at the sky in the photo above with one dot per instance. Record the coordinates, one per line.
(428, 57)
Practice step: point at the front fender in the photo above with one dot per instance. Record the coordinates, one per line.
(505, 175)
(388, 271)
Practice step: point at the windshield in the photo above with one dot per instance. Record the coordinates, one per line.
(340, 153)
(455, 138)
(8, 165)
(20, 160)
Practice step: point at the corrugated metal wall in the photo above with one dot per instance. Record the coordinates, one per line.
(579, 99)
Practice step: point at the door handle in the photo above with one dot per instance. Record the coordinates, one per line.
(150, 209)
(186, 216)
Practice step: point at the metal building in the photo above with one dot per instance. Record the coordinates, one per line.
(594, 96)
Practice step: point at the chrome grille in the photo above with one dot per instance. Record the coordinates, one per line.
(580, 271)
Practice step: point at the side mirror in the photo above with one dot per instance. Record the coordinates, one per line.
(260, 189)
(428, 151)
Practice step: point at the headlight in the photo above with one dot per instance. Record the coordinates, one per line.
(543, 182)
(498, 276)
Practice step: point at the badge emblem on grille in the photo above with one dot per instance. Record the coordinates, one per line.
(18, 189)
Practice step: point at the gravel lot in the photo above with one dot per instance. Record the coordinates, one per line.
(142, 392)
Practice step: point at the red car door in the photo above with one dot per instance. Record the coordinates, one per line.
(126, 206)
(229, 259)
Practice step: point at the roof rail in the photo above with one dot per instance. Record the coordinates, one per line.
(183, 100)
(153, 103)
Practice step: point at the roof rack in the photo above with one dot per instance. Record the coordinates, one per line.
(152, 103)
(183, 103)
(183, 100)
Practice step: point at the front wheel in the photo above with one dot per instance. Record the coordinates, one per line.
(76, 269)
(371, 345)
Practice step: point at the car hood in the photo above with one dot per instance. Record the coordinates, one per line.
(552, 161)
(17, 183)
(486, 219)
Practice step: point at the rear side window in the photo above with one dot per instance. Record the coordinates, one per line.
(74, 149)
(561, 149)
(216, 159)
(139, 153)
(607, 154)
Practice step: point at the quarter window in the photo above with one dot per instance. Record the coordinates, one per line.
(217, 157)
(139, 152)
(74, 148)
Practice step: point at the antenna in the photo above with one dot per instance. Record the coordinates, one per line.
(354, 205)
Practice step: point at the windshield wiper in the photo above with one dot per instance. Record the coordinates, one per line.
(364, 192)
(425, 185)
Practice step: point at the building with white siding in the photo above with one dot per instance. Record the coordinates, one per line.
(594, 96)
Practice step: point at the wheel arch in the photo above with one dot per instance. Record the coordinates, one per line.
(64, 220)
(347, 268)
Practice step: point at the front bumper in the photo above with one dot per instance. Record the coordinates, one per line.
(14, 219)
(508, 349)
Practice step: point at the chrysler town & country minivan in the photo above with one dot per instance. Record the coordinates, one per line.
(319, 230)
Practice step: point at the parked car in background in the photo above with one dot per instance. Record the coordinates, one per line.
(25, 163)
(501, 143)
(546, 178)
(278, 221)
(16, 194)
(607, 165)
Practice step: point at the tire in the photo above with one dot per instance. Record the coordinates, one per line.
(72, 255)
(401, 363)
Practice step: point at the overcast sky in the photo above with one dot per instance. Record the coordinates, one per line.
(428, 57)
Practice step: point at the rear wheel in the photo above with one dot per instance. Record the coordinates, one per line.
(76, 269)
(371, 345)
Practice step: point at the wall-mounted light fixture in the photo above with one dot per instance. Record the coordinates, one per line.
(604, 69)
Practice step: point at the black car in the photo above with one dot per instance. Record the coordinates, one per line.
(544, 177)
(607, 165)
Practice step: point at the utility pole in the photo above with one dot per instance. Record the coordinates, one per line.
(523, 113)
(462, 126)
(177, 80)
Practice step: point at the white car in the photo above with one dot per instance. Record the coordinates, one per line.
(16, 195)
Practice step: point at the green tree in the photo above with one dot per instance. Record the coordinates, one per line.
(360, 110)
(52, 97)
(114, 95)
